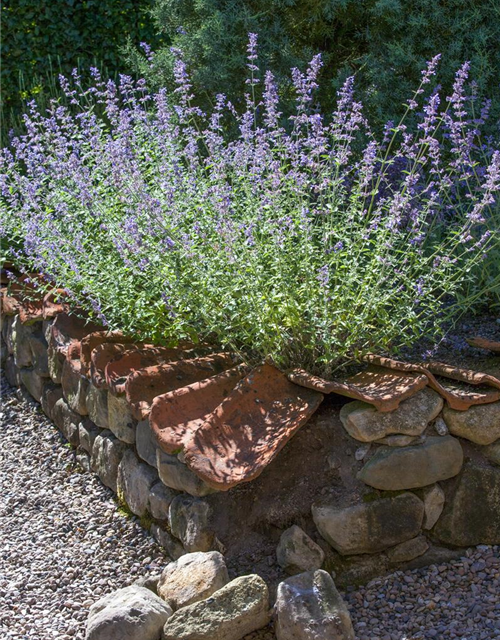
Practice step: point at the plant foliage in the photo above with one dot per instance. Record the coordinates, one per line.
(310, 244)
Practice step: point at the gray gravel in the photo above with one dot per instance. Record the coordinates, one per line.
(459, 599)
(63, 542)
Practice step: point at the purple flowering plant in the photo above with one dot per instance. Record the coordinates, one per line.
(309, 241)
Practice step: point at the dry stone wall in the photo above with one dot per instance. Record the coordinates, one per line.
(431, 474)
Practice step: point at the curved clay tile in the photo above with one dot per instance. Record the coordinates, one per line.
(30, 311)
(134, 359)
(11, 300)
(100, 358)
(175, 416)
(457, 399)
(67, 329)
(383, 388)
(484, 343)
(93, 340)
(144, 385)
(24, 298)
(53, 304)
(248, 429)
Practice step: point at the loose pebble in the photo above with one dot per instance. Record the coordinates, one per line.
(63, 542)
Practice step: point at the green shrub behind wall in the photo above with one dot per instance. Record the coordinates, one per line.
(40, 38)
(386, 42)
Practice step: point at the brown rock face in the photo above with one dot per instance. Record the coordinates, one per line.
(177, 415)
(246, 432)
(144, 385)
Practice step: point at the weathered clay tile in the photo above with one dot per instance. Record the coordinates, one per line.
(31, 311)
(24, 298)
(53, 304)
(248, 429)
(379, 386)
(175, 416)
(101, 356)
(10, 303)
(93, 340)
(144, 385)
(134, 359)
(457, 398)
(484, 343)
(67, 329)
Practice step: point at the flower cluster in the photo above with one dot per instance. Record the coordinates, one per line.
(309, 241)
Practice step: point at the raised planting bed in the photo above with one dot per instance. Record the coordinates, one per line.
(283, 473)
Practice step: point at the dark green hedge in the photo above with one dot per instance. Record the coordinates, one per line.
(42, 37)
(385, 42)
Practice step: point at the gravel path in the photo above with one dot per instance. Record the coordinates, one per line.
(62, 541)
(64, 544)
(459, 599)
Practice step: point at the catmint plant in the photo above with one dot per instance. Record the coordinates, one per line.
(309, 242)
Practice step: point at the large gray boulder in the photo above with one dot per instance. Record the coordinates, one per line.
(472, 513)
(370, 527)
(393, 469)
(309, 607)
(364, 422)
(166, 540)
(231, 613)
(38, 346)
(75, 386)
(132, 613)
(50, 395)
(297, 552)
(193, 577)
(479, 424)
(134, 482)
(87, 433)
(19, 337)
(189, 520)
(492, 452)
(4, 351)
(12, 372)
(33, 382)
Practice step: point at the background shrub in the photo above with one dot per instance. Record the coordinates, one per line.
(385, 42)
(41, 38)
